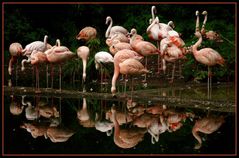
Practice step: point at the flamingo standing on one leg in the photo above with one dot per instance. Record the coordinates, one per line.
(86, 34)
(83, 53)
(207, 56)
(15, 50)
(102, 58)
(119, 57)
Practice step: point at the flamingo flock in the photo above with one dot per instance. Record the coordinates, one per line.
(127, 50)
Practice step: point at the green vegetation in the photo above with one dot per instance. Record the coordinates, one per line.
(25, 23)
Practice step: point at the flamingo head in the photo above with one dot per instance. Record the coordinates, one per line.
(108, 18)
(204, 13)
(197, 13)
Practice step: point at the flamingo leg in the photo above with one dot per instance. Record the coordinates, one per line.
(209, 83)
(158, 45)
(125, 82)
(16, 72)
(132, 88)
(172, 78)
(47, 76)
(52, 75)
(101, 75)
(60, 77)
(146, 63)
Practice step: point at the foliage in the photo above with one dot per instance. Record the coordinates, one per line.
(27, 23)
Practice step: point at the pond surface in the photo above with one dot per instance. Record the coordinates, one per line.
(146, 121)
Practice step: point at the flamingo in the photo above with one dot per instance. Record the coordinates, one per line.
(144, 48)
(87, 33)
(206, 125)
(58, 55)
(15, 50)
(36, 45)
(59, 134)
(132, 67)
(103, 126)
(36, 129)
(15, 107)
(83, 53)
(102, 57)
(119, 57)
(210, 35)
(117, 37)
(113, 30)
(206, 56)
(172, 49)
(126, 138)
(117, 46)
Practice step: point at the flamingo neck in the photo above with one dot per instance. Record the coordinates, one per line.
(196, 136)
(197, 24)
(114, 79)
(150, 26)
(107, 33)
(153, 10)
(204, 23)
(84, 104)
(195, 46)
(84, 69)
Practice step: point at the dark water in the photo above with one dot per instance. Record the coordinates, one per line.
(80, 136)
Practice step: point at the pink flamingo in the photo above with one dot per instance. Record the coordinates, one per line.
(83, 53)
(119, 57)
(15, 50)
(207, 56)
(102, 58)
(38, 57)
(87, 33)
(172, 49)
(38, 46)
(132, 67)
(117, 37)
(144, 48)
(113, 30)
(117, 46)
(126, 138)
(58, 55)
(206, 125)
(59, 134)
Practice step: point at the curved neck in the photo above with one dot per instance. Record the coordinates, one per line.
(107, 33)
(116, 125)
(45, 41)
(150, 26)
(153, 12)
(58, 43)
(195, 46)
(114, 79)
(204, 23)
(196, 136)
(11, 62)
(84, 104)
